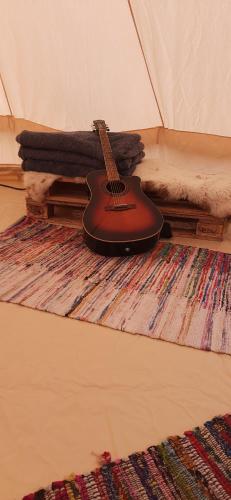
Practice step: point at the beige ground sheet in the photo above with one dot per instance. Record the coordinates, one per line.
(70, 390)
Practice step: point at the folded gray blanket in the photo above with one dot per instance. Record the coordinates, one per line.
(125, 167)
(124, 145)
(69, 157)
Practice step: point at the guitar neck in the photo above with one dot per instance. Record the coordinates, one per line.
(110, 164)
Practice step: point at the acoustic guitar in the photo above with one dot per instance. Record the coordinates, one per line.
(119, 219)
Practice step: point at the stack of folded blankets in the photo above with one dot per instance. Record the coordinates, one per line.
(75, 154)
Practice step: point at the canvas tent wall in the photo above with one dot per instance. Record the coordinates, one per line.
(139, 64)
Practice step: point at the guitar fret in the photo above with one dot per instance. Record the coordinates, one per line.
(110, 164)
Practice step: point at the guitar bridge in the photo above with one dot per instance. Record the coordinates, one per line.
(121, 206)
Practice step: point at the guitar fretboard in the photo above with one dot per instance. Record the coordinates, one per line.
(110, 164)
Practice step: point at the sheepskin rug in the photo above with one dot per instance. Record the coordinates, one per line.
(209, 188)
(37, 184)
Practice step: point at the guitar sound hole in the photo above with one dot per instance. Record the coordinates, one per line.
(115, 187)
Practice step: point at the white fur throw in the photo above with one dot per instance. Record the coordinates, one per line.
(209, 189)
(38, 183)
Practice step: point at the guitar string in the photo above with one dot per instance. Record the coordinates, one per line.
(114, 184)
(97, 128)
(107, 164)
(110, 170)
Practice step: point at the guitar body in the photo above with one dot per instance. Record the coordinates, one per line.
(120, 219)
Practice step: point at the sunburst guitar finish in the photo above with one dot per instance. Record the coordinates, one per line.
(120, 219)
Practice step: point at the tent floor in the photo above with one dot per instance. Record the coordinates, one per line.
(70, 390)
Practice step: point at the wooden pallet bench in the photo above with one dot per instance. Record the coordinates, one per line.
(66, 201)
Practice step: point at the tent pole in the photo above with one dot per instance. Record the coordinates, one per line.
(145, 60)
(4, 90)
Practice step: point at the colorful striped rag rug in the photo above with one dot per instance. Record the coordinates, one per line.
(196, 466)
(176, 293)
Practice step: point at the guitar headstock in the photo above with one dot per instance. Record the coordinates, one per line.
(99, 125)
